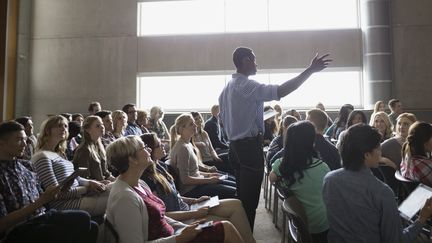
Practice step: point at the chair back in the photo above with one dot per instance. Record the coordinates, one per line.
(107, 233)
(297, 221)
(406, 186)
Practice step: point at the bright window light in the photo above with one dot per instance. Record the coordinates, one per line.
(180, 17)
(200, 92)
(312, 14)
(228, 16)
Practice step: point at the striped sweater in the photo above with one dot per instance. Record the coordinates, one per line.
(52, 169)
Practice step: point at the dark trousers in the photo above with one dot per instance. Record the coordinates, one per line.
(56, 226)
(224, 189)
(247, 157)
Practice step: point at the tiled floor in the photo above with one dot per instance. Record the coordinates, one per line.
(265, 231)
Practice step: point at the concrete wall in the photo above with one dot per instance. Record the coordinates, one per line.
(412, 45)
(80, 51)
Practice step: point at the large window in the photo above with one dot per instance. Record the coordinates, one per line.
(228, 16)
(200, 92)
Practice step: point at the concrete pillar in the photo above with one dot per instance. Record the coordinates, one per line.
(377, 51)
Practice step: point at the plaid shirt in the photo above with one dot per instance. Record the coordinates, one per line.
(417, 168)
(19, 186)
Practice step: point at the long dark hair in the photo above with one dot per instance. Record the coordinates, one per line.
(151, 140)
(298, 150)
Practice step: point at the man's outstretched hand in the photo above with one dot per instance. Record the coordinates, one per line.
(318, 63)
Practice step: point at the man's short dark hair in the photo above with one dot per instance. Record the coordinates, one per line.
(392, 103)
(359, 140)
(103, 114)
(240, 53)
(23, 120)
(127, 106)
(6, 128)
(76, 115)
(92, 105)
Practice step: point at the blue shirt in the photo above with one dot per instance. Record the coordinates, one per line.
(242, 106)
(362, 209)
(132, 129)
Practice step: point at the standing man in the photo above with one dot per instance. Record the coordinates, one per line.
(242, 108)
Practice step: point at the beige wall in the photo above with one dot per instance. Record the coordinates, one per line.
(412, 45)
(81, 50)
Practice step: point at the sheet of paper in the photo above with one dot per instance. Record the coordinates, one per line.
(212, 202)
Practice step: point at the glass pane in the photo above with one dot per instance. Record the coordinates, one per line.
(181, 17)
(333, 89)
(312, 14)
(246, 15)
(180, 93)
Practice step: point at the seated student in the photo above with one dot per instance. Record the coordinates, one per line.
(208, 154)
(213, 129)
(162, 185)
(31, 138)
(157, 125)
(90, 153)
(78, 118)
(74, 138)
(302, 172)
(270, 127)
(53, 168)
(416, 161)
(355, 117)
(327, 151)
(194, 183)
(392, 147)
(339, 124)
(94, 107)
(119, 123)
(321, 106)
(360, 207)
(132, 115)
(139, 216)
(381, 121)
(143, 121)
(107, 121)
(275, 149)
(294, 113)
(23, 217)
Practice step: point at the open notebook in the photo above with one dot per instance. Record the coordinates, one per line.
(415, 201)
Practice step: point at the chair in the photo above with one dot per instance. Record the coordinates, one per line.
(406, 186)
(279, 193)
(268, 189)
(107, 233)
(297, 227)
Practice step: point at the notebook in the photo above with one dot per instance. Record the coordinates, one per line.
(415, 201)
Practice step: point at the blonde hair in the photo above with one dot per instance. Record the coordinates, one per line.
(389, 126)
(115, 116)
(96, 148)
(377, 106)
(45, 132)
(180, 122)
(119, 151)
(319, 118)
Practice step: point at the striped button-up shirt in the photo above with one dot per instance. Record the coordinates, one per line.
(242, 106)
